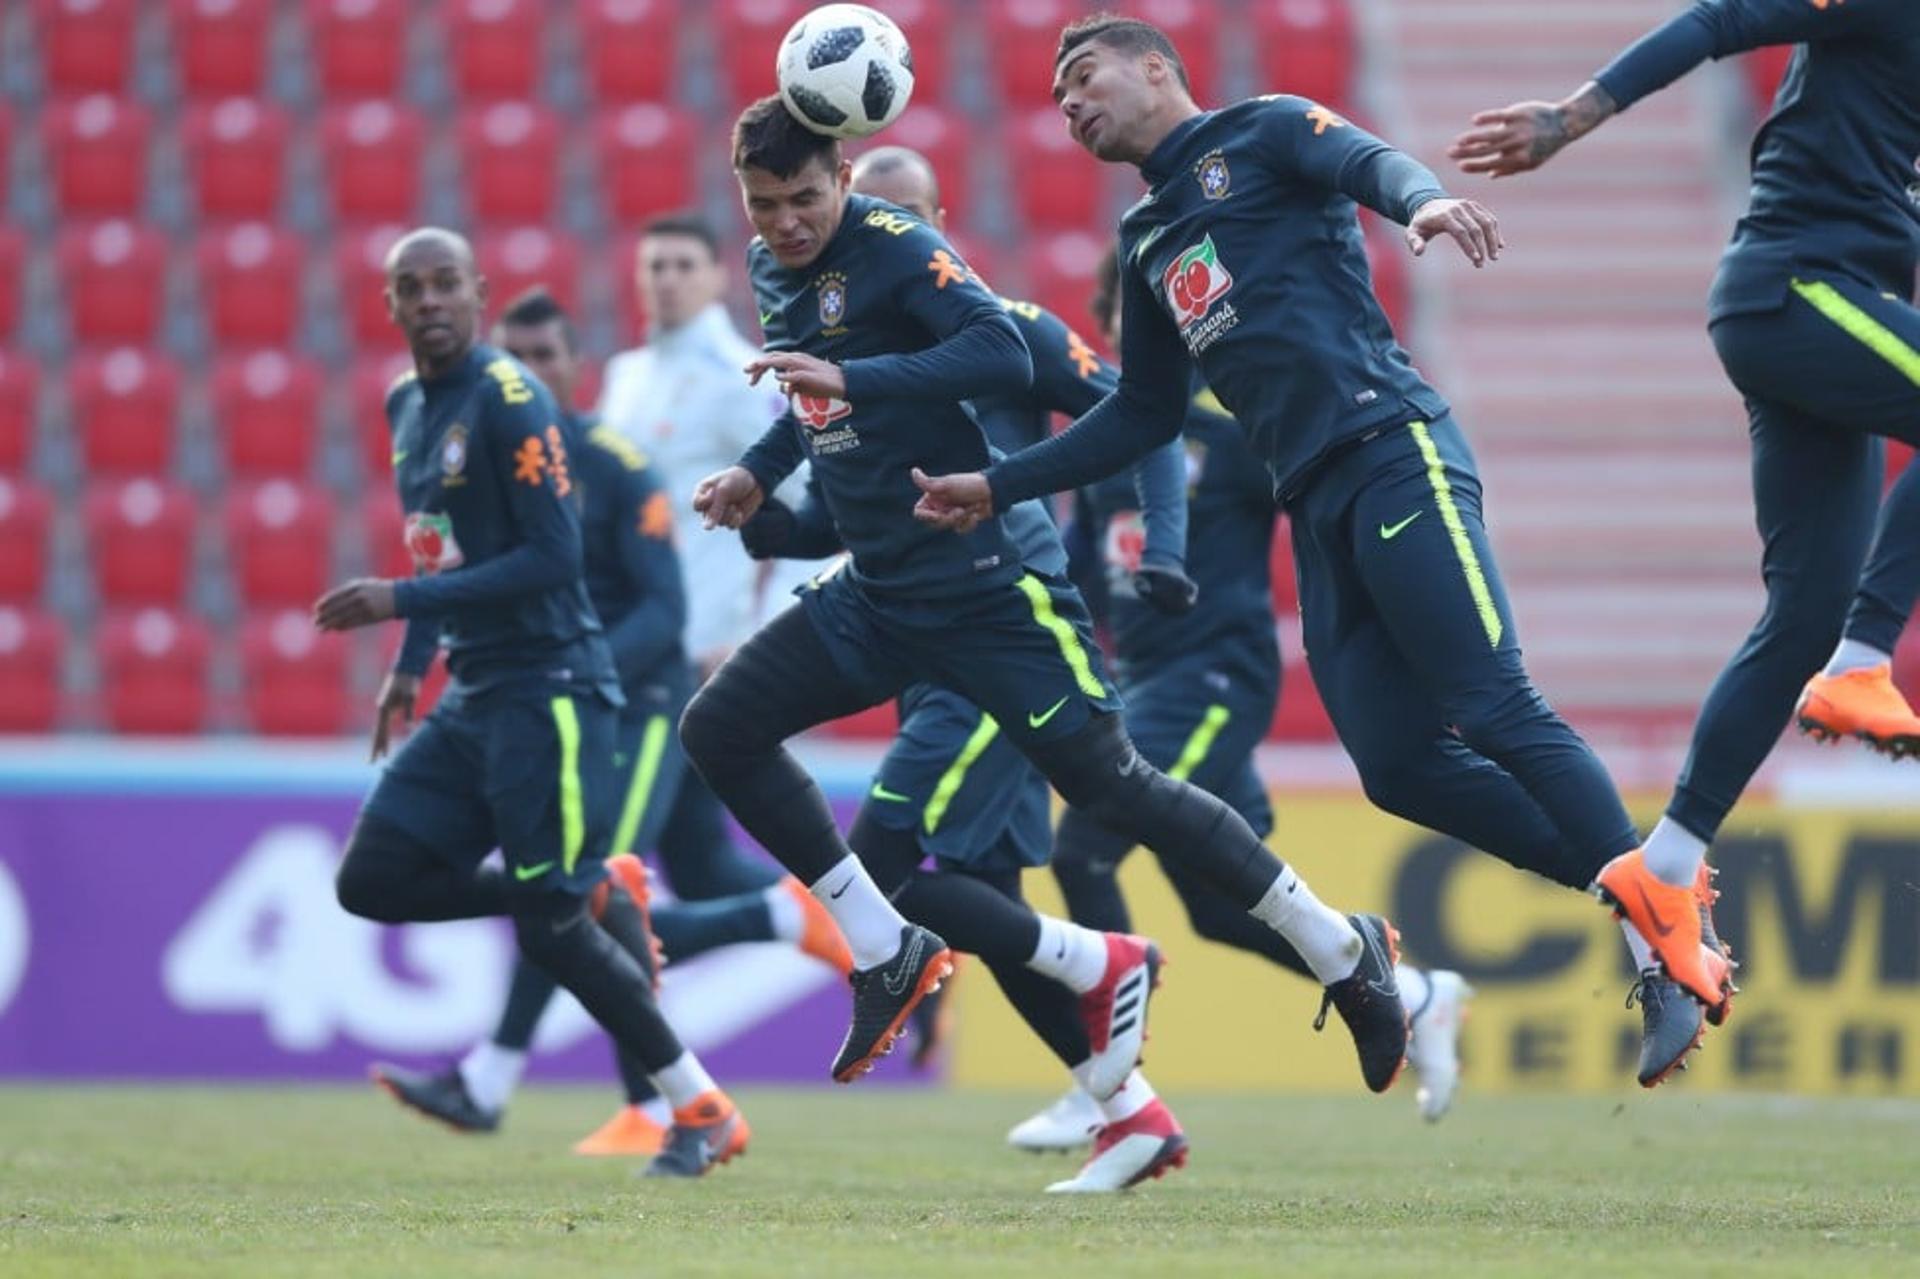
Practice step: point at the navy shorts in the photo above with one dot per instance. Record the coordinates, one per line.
(1023, 652)
(1199, 722)
(954, 778)
(648, 765)
(526, 769)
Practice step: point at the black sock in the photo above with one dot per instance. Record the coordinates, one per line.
(1050, 1010)
(527, 998)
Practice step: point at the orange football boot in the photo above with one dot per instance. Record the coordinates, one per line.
(820, 936)
(1669, 919)
(1706, 894)
(629, 1132)
(631, 874)
(1860, 703)
(705, 1134)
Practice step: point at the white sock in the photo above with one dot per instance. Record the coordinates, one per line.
(491, 1073)
(1673, 853)
(1852, 655)
(658, 1110)
(1323, 936)
(1414, 988)
(1637, 945)
(871, 924)
(1075, 957)
(683, 1080)
(1134, 1096)
(788, 920)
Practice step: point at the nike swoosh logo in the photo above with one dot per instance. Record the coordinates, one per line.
(892, 797)
(835, 894)
(903, 968)
(619, 759)
(766, 318)
(524, 873)
(399, 457)
(1660, 925)
(1390, 531)
(1390, 989)
(1040, 720)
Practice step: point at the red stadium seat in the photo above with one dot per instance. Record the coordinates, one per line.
(221, 45)
(140, 540)
(280, 541)
(13, 252)
(1307, 48)
(124, 403)
(266, 413)
(97, 148)
(1058, 185)
(250, 285)
(748, 39)
(646, 161)
(630, 48)
(372, 379)
(153, 667)
(939, 135)
(374, 152)
(236, 153)
(384, 528)
(1022, 35)
(1194, 28)
(32, 647)
(1765, 69)
(361, 281)
(19, 408)
(114, 276)
(510, 153)
(26, 514)
(928, 25)
(86, 46)
(362, 46)
(494, 46)
(1060, 276)
(6, 149)
(516, 260)
(293, 676)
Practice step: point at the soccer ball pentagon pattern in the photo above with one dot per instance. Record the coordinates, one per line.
(845, 70)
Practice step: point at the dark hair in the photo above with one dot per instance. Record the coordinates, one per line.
(1106, 288)
(1129, 35)
(766, 136)
(536, 307)
(688, 223)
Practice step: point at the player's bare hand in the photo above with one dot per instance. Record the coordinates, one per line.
(728, 499)
(956, 502)
(1470, 223)
(397, 697)
(800, 374)
(1512, 139)
(364, 601)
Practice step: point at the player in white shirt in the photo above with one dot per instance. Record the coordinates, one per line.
(683, 398)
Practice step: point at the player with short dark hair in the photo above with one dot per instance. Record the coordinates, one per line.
(516, 754)
(1812, 316)
(634, 581)
(879, 332)
(1245, 260)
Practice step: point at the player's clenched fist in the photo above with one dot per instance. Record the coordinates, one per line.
(957, 502)
(728, 499)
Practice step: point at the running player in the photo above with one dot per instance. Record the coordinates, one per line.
(1245, 258)
(516, 754)
(911, 334)
(1812, 315)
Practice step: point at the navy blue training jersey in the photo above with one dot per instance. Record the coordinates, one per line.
(1836, 166)
(1246, 258)
(632, 568)
(1231, 514)
(1068, 377)
(916, 333)
(484, 470)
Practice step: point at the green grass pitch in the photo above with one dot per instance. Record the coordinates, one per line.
(850, 1183)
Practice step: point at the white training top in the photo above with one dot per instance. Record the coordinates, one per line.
(683, 399)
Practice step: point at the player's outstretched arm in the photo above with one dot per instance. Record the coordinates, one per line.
(1521, 137)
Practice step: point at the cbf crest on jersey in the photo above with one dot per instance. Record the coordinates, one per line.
(453, 456)
(832, 288)
(1215, 180)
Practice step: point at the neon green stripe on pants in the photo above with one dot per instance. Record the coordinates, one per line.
(1877, 337)
(573, 822)
(1063, 633)
(956, 774)
(1195, 751)
(653, 744)
(1457, 532)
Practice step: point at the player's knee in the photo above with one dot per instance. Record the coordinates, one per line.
(706, 732)
(364, 888)
(1094, 768)
(1497, 721)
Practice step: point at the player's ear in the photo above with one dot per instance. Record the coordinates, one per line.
(480, 289)
(844, 176)
(940, 219)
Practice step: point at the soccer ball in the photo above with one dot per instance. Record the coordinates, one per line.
(845, 71)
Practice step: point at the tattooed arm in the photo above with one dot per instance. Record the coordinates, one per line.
(1526, 135)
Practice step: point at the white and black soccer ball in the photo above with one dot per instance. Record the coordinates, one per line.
(845, 71)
